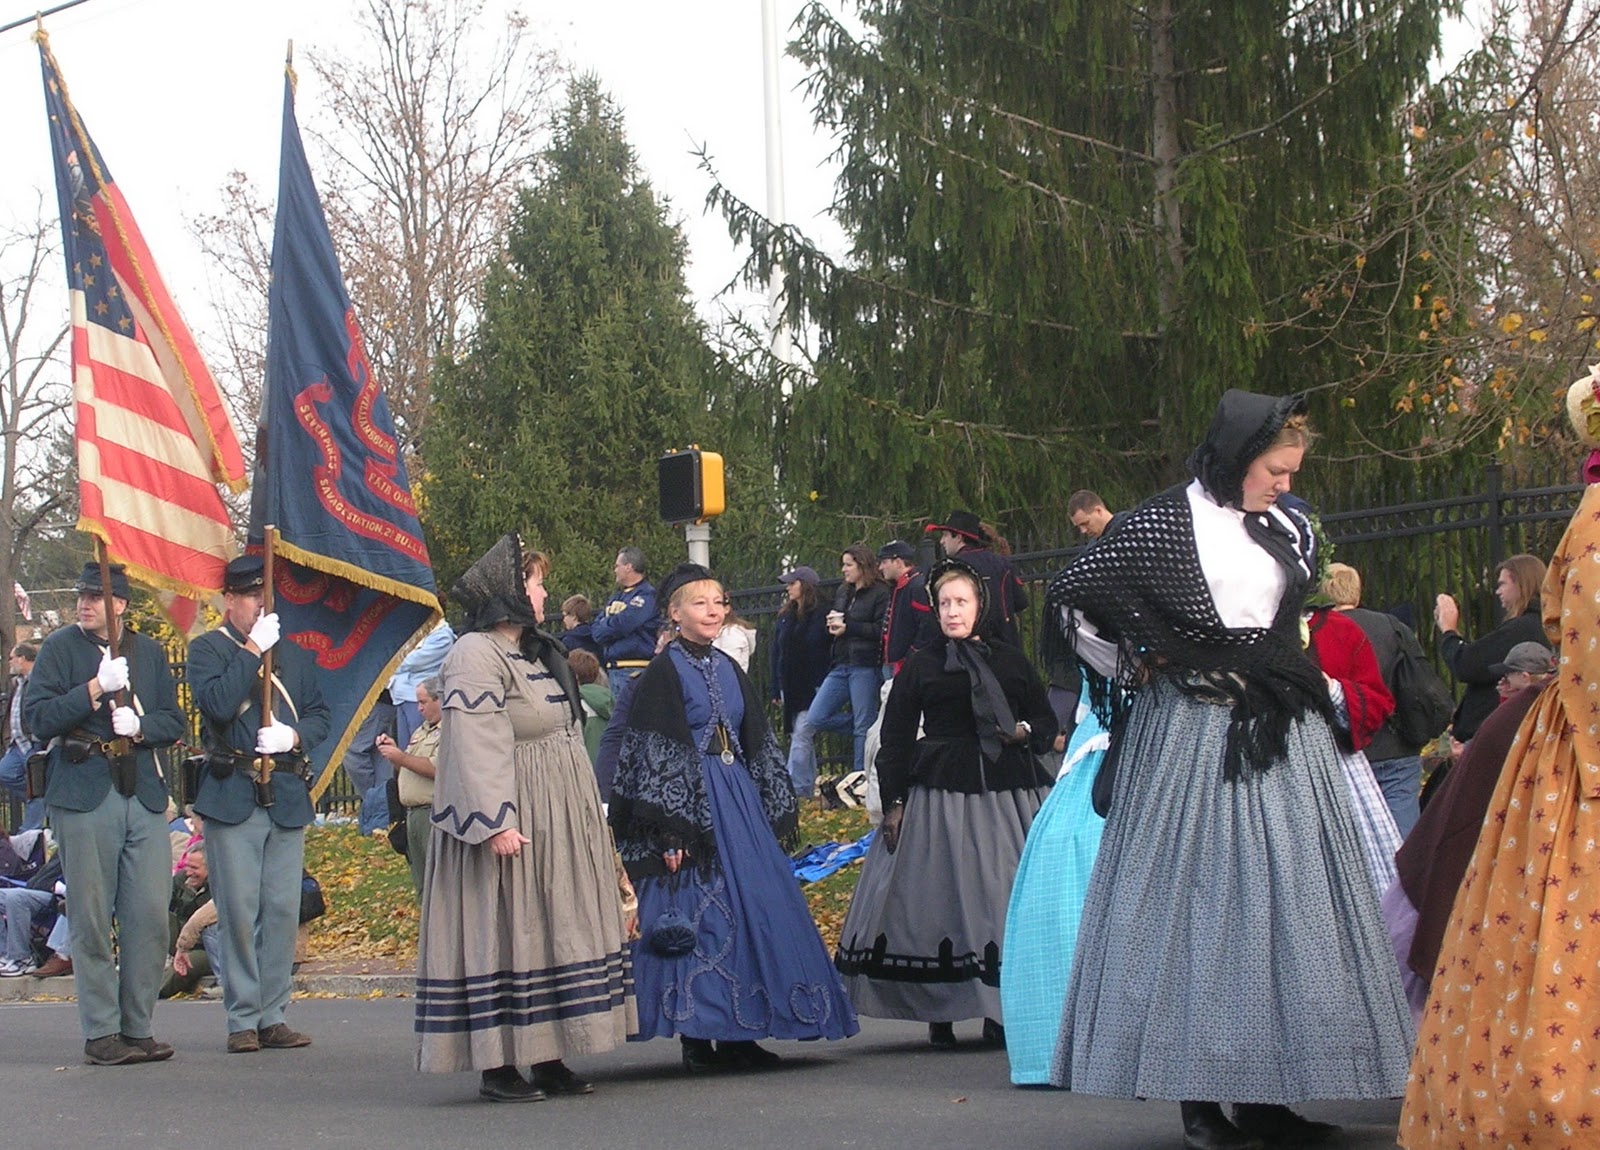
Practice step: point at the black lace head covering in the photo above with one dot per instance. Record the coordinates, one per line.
(493, 590)
(1244, 426)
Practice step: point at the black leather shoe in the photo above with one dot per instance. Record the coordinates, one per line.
(504, 1084)
(699, 1056)
(556, 1077)
(1274, 1123)
(942, 1034)
(1206, 1128)
(746, 1056)
(994, 1034)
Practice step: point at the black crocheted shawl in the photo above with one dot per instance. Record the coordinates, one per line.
(1143, 589)
(658, 798)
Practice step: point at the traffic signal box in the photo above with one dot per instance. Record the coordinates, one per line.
(690, 484)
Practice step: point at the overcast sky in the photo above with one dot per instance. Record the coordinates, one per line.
(179, 93)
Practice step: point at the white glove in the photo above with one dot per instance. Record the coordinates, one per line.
(124, 722)
(264, 632)
(275, 739)
(113, 673)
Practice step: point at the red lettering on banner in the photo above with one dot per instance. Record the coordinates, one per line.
(325, 479)
(381, 466)
(336, 657)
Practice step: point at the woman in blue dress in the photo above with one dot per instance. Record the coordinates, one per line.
(701, 801)
(1047, 905)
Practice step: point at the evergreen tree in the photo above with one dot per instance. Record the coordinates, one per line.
(586, 363)
(1074, 224)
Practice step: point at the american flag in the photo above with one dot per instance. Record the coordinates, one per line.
(154, 437)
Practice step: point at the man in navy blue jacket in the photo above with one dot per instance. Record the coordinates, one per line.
(255, 834)
(107, 802)
(626, 629)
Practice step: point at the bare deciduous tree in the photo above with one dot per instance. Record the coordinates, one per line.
(34, 398)
(434, 129)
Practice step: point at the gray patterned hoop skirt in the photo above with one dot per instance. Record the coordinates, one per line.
(1232, 948)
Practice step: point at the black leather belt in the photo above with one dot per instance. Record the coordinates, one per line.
(224, 763)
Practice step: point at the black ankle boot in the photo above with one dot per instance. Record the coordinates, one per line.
(505, 1084)
(746, 1056)
(1274, 1123)
(1206, 1128)
(699, 1056)
(942, 1034)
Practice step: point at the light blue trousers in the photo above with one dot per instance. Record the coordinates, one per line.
(255, 882)
(117, 863)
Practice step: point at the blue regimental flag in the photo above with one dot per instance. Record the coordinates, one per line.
(352, 580)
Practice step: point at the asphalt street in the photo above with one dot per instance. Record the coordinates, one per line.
(357, 1087)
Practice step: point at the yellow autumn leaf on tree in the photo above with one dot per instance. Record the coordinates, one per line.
(1511, 323)
(1538, 336)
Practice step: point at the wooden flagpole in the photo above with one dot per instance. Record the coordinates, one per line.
(269, 534)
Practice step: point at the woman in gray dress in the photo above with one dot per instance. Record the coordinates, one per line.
(1231, 948)
(523, 956)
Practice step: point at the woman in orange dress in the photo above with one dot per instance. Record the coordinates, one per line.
(1508, 1052)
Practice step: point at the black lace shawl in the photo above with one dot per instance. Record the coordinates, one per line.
(658, 800)
(1143, 588)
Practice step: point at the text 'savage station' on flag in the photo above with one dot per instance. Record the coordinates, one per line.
(153, 434)
(352, 581)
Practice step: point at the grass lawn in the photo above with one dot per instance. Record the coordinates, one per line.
(373, 915)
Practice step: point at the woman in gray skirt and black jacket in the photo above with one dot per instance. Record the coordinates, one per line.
(922, 939)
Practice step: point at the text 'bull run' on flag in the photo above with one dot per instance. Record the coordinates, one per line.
(352, 580)
(153, 434)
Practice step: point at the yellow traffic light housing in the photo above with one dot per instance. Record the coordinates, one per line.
(690, 486)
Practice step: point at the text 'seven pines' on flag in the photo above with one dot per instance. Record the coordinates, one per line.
(153, 434)
(352, 582)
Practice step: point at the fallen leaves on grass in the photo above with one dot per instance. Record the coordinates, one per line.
(372, 912)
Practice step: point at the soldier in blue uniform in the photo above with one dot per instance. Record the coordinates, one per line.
(107, 803)
(255, 841)
(626, 629)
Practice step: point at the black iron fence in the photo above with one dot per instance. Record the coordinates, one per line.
(1446, 531)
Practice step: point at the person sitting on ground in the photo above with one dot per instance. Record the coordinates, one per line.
(59, 944)
(196, 944)
(20, 908)
(28, 901)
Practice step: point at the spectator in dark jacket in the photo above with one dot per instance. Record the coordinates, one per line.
(962, 536)
(801, 648)
(847, 700)
(908, 625)
(1517, 582)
